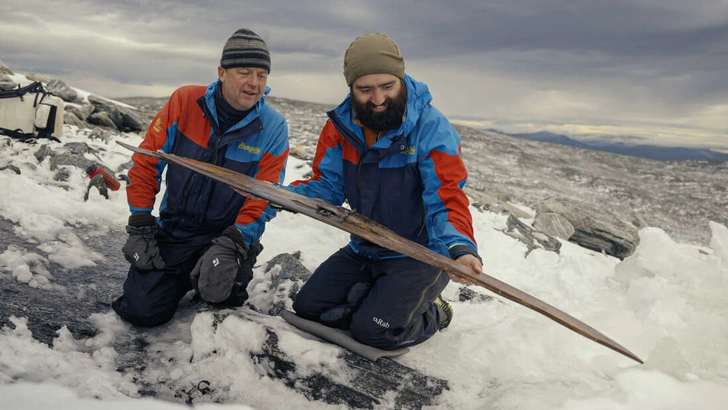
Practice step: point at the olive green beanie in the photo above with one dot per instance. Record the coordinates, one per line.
(372, 54)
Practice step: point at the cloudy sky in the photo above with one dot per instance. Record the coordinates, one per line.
(653, 68)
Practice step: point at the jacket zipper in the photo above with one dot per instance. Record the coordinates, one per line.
(215, 160)
(356, 142)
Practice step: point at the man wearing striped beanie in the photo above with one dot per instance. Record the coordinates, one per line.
(244, 68)
(207, 236)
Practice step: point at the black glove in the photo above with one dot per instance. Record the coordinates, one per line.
(141, 249)
(222, 267)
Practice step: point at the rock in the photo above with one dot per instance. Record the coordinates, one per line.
(103, 119)
(101, 134)
(62, 175)
(132, 121)
(485, 201)
(68, 159)
(554, 225)
(104, 105)
(72, 154)
(123, 168)
(299, 151)
(79, 148)
(287, 276)
(11, 167)
(42, 152)
(593, 228)
(532, 238)
(82, 111)
(4, 69)
(71, 118)
(124, 118)
(6, 83)
(62, 90)
(38, 77)
(468, 295)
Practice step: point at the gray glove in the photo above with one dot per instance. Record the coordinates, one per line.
(214, 274)
(141, 249)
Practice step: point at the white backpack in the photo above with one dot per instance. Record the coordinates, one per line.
(31, 112)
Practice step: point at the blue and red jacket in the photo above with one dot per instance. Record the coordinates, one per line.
(193, 204)
(410, 180)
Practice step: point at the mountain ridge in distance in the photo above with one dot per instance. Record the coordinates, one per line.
(648, 151)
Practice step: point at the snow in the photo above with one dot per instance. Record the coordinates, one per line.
(666, 303)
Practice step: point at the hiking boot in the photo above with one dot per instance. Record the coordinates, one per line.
(445, 310)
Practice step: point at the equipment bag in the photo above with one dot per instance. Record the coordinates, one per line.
(31, 112)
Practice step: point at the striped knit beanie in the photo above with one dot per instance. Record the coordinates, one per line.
(245, 49)
(372, 54)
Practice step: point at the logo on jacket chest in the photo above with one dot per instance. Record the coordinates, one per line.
(411, 150)
(250, 149)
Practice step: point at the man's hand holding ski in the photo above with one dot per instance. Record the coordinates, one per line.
(470, 261)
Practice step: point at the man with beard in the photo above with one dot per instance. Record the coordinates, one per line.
(395, 159)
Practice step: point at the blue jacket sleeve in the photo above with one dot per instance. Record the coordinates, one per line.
(444, 176)
(327, 182)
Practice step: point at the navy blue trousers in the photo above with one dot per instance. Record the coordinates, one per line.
(387, 303)
(151, 297)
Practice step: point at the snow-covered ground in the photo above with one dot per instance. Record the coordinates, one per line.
(666, 303)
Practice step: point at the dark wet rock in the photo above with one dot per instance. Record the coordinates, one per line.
(368, 384)
(595, 229)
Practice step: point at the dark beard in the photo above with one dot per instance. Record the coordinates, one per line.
(390, 119)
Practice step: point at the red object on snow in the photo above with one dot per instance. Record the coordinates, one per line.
(109, 180)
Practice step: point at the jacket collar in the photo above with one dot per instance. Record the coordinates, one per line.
(255, 112)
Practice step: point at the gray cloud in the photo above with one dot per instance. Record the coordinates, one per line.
(645, 64)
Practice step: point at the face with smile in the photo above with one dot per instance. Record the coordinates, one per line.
(379, 101)
(242, 87)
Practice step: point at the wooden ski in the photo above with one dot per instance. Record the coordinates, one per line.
(359, 225)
